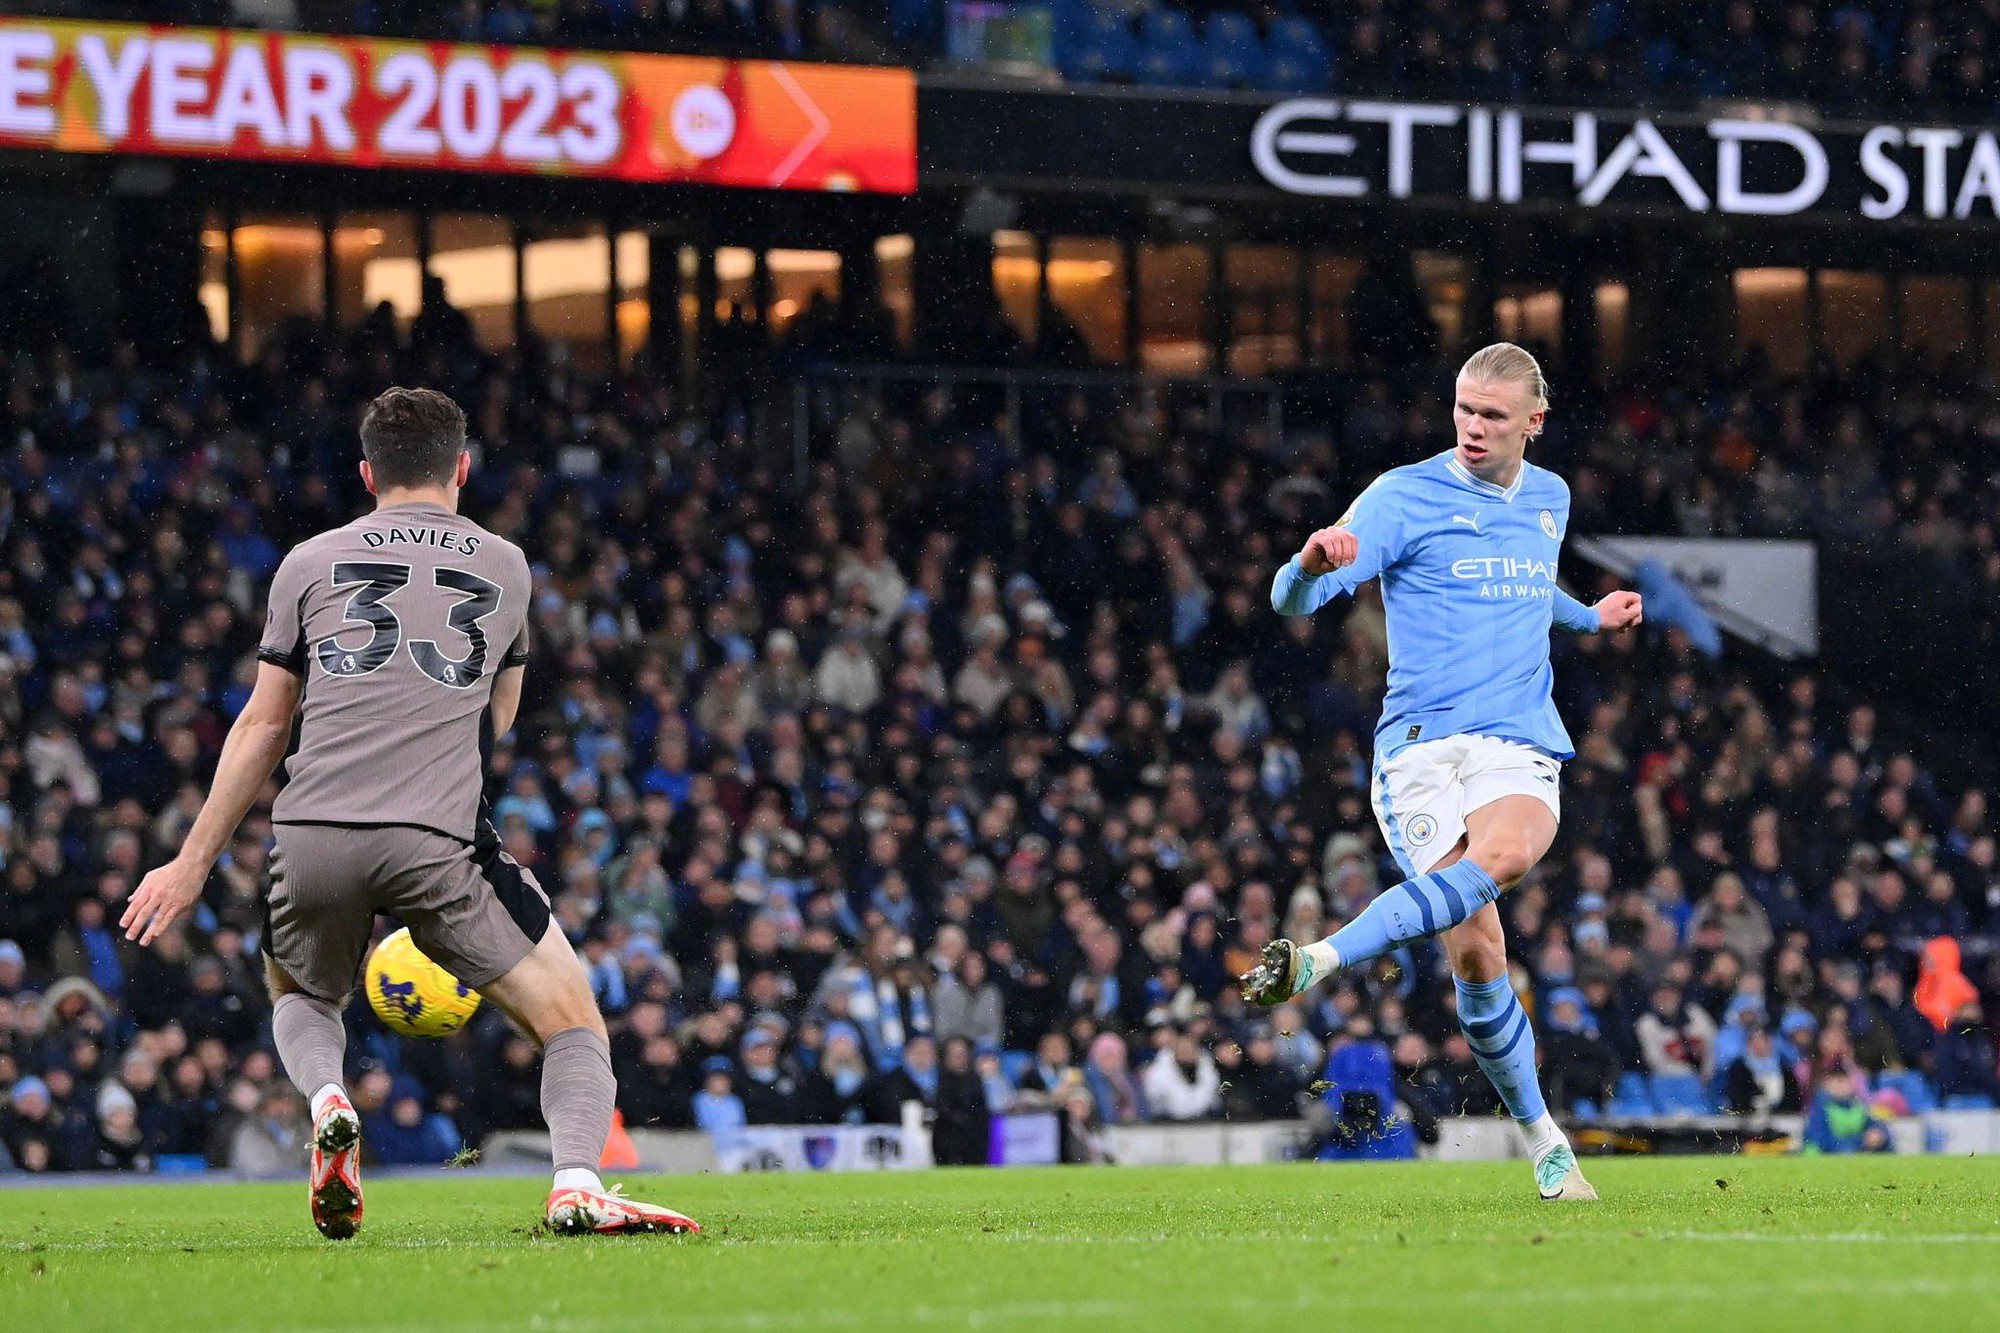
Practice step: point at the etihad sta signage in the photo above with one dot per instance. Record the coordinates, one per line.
(1736, 165)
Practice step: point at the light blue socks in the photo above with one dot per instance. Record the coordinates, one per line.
(1503, 1042)
(1413, 909)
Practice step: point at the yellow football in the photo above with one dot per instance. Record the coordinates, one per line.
(411, 994)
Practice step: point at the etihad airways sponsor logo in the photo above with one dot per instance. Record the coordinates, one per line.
(1502, 567)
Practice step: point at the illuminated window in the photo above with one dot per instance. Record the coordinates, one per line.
(690, 264)
(566, 276)
(1524, 313)
(215, 275)
(799, 278)
(895, 268)
(1173, 309)
(735, 274)
(473, 255)
(1937, 316)
(1087, 284)
(1614, 328)
(1853, 313)
(635, 275)
(279, 275)
(375, 260)
(1333, 278)
(1444, 280)
(1262, 286)
(1014, 274)
(1771, 314)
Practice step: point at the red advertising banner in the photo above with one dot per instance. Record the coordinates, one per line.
(358, 102)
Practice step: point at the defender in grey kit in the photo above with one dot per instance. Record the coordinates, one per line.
(399, 642)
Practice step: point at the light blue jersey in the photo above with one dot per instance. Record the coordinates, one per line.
(1468, 574)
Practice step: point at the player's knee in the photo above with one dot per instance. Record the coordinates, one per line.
(1507, 857)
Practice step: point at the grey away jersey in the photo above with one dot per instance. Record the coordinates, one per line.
(396, 624)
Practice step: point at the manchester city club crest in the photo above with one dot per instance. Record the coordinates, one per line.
(1421, 830)
(1549, 525)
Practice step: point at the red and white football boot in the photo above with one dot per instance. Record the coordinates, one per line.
(336, 1169)
(578, 1212)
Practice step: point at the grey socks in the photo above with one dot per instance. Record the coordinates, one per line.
(311, 1041)
(578, 1095)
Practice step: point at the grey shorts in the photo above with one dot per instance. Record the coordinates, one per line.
(474, 910)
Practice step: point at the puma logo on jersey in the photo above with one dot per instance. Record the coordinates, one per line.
(1472, 522)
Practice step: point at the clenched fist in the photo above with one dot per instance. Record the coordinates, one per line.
(1620, 610)
(1329, 549)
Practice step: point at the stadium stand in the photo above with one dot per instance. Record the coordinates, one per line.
(970, 733)
(1842, 58)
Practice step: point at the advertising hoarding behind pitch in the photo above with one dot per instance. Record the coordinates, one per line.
(359, 102)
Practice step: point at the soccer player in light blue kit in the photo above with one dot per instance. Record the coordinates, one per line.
(1469, 748)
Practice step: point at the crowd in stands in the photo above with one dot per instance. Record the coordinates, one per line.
(970, 770)
(1898, 55)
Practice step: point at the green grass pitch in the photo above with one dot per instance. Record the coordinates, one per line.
(1677, 1243)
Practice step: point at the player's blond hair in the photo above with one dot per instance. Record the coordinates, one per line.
(1508, 363)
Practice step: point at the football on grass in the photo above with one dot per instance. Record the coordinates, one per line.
(413, 995)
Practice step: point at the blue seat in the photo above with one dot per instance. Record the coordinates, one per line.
(1296, 58)
(1916, 1090)
(1632, 1088)
(1095, 44)
(1679, 1094)
(1299, 36)
(180, 1164)
(1169, 51)
(1584, 1111)
(1967, 1101)
(1232, 52)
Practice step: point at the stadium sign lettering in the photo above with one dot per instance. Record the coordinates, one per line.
(1316, 146)
(349, 101)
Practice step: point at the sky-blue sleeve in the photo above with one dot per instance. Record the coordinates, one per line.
(1574, 616)
(1376, 520)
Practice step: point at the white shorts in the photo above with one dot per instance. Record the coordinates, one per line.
(1423, 792)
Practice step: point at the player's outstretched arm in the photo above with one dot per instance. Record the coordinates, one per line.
(1368, 539)
(1574, 616)
(1300, 587)
(1618, 610)
(257, 741)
